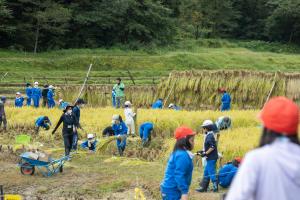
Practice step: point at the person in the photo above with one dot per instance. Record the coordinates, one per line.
(108, 131)
(76, 111)
(113, 98)
(70, 124)
(50, 97)
(28, 92)
(90, 144)
(129, 118)
(42, 121)
(178, 174)
(45, 91)
(36, 95)
(145, 132)
(158, 104)
(271, 171)
(120, 131)
(223, 123)
(210, 153)
(119, 90)
(174, 107)
(19, 100)
(209, 124)
(62, 104)
(227, 172)
(3, 119)
(226, 100)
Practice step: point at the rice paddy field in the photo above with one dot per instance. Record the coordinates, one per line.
(104, 175)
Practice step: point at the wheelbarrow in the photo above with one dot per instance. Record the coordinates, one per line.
(27, 165)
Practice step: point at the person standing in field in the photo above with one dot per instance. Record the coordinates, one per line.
(45, 91)
(19, 100)
(225, 100)
(70, 125)
(36, 95)
(119, 90)
(129, 118)
(50, 97)
(178, 174)
(76, 111)
(272, 171)
(28, 92)
(120, 131)
(3, 119)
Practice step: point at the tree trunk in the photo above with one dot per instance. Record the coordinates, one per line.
(37, 34)
(291, 36)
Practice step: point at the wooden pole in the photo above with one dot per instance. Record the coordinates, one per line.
(84, 83)
(273, 86)
(131, 77)
(170, 93)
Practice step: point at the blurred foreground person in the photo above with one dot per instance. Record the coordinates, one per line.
(272, 171)
(178, 174)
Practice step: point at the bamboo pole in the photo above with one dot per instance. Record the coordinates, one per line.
(84, 83)
(273, 86)
(170, 92)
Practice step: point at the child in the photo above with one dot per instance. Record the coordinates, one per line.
(120, 131)
(129, 118)
(42, 121)
(19, 100)
(90, 143)
(145, 133)
(227, 172)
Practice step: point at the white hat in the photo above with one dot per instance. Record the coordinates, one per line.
(90, 136)
(127, 103)
(115, 118)
(51, 86)
(36, 83)
(171, 105)
(61, 100)
(18, 93)
(207, 123)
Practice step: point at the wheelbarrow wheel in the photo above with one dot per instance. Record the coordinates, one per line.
(61, 169)
(27, 169)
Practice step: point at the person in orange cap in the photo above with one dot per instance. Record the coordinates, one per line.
(227, 172)
(178, 174)
(272, 171)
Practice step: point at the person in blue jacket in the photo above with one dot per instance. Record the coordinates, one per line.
(174, 107)
(225, 100)
(19, 100)
(178, 174)
(44, 122)
(76, 111)
(50, 97)
(146, 129)
(28, 92)
(90, 144)
(210, 152)
(36, 95)
(227, 172)
(120, 131)
(158, 104)
(113, 98)
(62, 104)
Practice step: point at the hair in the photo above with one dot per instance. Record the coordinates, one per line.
(119, 79)
(209, 128)
(268, 137)
(120, 119)
(183, 144)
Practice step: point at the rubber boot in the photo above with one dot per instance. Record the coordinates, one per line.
(215, 186)
(203, 185)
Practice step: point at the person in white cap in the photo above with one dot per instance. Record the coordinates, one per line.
(36, 95)
(120, 131)
(50, 97)
(19, 101)
(90, 144)
(173, 106)
(62, 104)
(129, 118)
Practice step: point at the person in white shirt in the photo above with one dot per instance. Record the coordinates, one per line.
(129, 118)
(272, 171)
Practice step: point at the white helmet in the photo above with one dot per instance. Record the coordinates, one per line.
(60, 100)
(90, 136)
(207, 123)
(115, 118)
(171, 105)
(18, 93)
(36, 83)
(51, 87)
(127, 103)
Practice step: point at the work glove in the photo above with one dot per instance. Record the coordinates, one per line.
(201, 153)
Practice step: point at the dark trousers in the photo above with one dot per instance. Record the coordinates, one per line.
(3, 121)
(75, 141)
(45, 101)
(68, 140)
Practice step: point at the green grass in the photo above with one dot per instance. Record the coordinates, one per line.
(150, 61)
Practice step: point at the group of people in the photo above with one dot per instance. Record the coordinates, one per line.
(270, 171)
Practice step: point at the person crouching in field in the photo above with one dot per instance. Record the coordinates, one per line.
(90, 144)
(120, 131)
(129, 118)
(19, 101)
(70, 125)
(42, 121)
(145, 133)
(272, 171)
(178, 174)
(227, 172)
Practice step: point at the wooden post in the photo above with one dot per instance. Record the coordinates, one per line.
(131, 77)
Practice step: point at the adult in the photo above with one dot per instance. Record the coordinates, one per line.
(3, 119)
(120, 131)
(50, 97)
(271, 171)
(28, 92)
(227, 172)
(70, 124)
(76, 111)
(146, 129)
(225, 100)
(158, 104)
(19, 100)
(36, 95)
(42, 122)
(45, 91)
(119, 88)
(129, 118)
(178, 174)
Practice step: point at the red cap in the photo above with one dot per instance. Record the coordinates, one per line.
(221, 89)
(182, 132)
(281, 115)
(238, 159)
